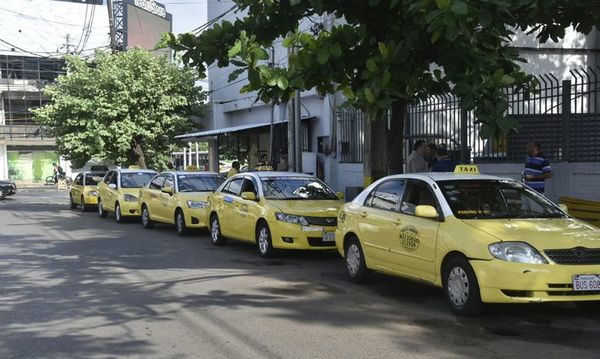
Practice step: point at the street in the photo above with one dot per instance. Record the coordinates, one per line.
(73, 285)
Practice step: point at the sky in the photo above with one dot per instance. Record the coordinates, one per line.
(187, 14)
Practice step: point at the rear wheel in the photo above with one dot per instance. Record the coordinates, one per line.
(461, 287)
(118, 215)
(84, 207)
(264, 242)
(101, 212)
(215, 231)
(180, 226)
(356, 268)
(72, 203)
(146, 221)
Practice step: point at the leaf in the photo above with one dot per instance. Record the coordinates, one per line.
(323, 56)
(383, 50)
(436, 36)
(393, 4)
(507, 80)
(443, 4)
(288, 42)
(336, 50)
(260, 53)
(369, 95)
(235, 73)
(371, 65)
(282, 83)
(348, 93)
(235, 50)
(387, 77)
(460, 8)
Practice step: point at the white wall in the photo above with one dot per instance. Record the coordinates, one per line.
(3, 162)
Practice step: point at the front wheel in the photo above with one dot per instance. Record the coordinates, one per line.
(71, 202)
(461, 287)
(118, 215)
(146, 221)
(3, 193)
(180, 226)
(215, 232)
(84, 207)
(356, 267)
(264, 242)
(101, 212)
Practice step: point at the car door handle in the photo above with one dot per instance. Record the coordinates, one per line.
(398, 222)
(364, 214)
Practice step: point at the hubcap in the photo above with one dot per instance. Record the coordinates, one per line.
(458, 286)
(353, 259)
(100, 210)
(145, 216)
(118, 213)
(179, 222)
(263, 240)
(214, 230)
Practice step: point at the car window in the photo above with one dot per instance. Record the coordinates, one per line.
(249, 186)
(108, 177)
(296, 188)
(78, 180)
(169, 182)
(114, 178)
(417, 193)
(92, 179)
(234, 187)
(135, 179)
(198, 183)
(157, 182)
(387, 195)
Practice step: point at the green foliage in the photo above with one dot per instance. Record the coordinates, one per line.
(381, 51)
(125, 108)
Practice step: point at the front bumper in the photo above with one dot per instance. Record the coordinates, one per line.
(9, 190)
(294, 236)
(506, 282)
(196, 218)
(129, 209)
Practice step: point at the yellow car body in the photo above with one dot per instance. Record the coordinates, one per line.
(443, 230)
(84, 191)
(119, 190)
(179, 198)
(275, 210)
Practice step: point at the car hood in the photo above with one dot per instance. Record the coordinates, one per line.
(326, 208)
(555, 233)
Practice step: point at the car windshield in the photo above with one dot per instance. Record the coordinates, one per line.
(484, 199)
(199, 183)
(93, 179)
(296, 188)
(135, 179)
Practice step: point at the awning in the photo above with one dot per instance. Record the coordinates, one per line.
(224, 130)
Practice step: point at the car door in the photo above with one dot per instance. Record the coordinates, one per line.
(112, 193)
(105, 191)
(227, 215)
(247, 211)
(162, 210)
(170, 201)
(151, 196)
(379, 224)
(77, 188)
(415, 249)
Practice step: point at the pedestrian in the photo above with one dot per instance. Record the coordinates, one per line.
(537, 168)
(235, 169)
(59, 173)
(416, 160)
(431, 155)
(443, 163)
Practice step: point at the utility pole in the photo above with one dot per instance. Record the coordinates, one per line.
(111, 26)
(298, 131)
(271, 129)
(290, 131)
(67, 45)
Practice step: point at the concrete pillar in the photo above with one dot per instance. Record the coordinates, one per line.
(184, 158)
(3, 162)
(197, 157)
(213, 155)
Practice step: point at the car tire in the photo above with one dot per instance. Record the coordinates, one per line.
(356, 267)
(180, 226)
(84, 207)
(215, 232)
(461, 287)
(101, 212)
(118, 214)
(72, 204)
(146, 221)
(3, 193)
(264, 243)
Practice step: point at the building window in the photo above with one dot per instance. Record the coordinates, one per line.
(352, 135)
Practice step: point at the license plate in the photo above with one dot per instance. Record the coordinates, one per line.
(329, 237)
(586, 282)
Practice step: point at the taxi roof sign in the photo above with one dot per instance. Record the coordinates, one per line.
(466, 169)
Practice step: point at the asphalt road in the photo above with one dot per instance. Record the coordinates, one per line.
(73, 285)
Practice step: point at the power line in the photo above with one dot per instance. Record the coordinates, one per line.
(84, 28)
(214, 20)
(21, 49)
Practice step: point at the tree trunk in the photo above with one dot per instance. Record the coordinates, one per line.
(141, 158)
(395, 137)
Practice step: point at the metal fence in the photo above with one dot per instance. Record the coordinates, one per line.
(563, 115)
(352, 135)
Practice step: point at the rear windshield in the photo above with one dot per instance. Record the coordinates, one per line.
(93, 179)
(136, 179)
(199, 183)
(296, 188)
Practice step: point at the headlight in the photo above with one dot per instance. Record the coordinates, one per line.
(516, 252)
(290, 218)
(197, 204)
(93, 193)
(129, 198)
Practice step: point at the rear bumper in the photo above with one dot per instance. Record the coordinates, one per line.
(505, 282)
(293, 236)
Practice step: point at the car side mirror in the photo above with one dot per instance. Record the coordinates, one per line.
(564, 207)
(112, 186)
(426, 211)
(341, 195)
(168, 190)
(249, 196)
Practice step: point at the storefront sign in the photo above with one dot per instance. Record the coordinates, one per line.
(152, 6)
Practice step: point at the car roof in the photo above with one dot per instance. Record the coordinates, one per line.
(447, 176)
(262, 174)
(135, 170)
(203, 173)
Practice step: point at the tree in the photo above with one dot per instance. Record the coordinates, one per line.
(125, 108)
(385, 53)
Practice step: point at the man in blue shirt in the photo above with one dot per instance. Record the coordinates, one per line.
(443, 163)
(537, 168)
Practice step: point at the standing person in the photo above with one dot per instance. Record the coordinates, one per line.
(235, 169)
(537, 168)
(432, 149)
(59, 173)
(443, 163)
(416, 161)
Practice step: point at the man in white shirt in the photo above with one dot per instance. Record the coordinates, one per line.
(416, 161)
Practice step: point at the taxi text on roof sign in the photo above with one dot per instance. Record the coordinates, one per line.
(466, 169)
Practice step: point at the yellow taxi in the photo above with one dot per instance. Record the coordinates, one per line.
(84, 191)
(483, 239)
(178, 198)
(275, 210)
(119, 190)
